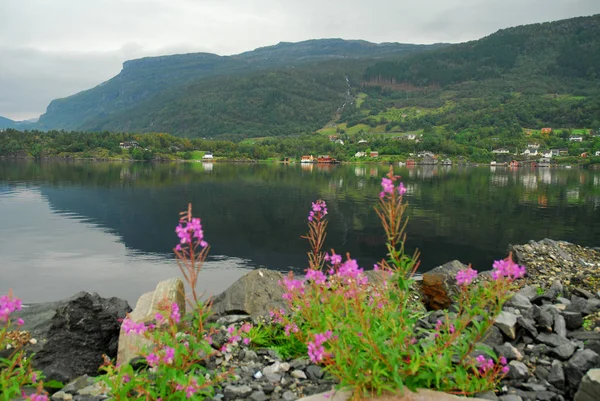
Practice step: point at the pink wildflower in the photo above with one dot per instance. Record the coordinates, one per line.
(507, 268)
(246, 327)
(465, 276)
(126, 378)
(401, 189)
(175, 315)
(169, 355)
(152, 359)
(484, 363)
(129, 326)
(8, 304)
(387, 185)
(318, 211)
(20, 322)
(246, 341)
(192, 230)
(159, 318)
(334, 259)
(316, 275)
(37, 397)
(316, 351)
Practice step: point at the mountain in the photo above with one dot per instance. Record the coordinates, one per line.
(145, 80)
(6, 122)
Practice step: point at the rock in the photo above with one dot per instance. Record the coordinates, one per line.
(556, 377)
(289, 396)
(519, 301)
(542, 318)
(573, 320)
(552, 339)
(508, 351)
(314, 372)
(585, 335)
(73, 334)
(61, 396)
(254, 294)
(577, 304)
(258, 396)
(233, 392)
(529, 292)
(493, 337)
(510, 397)
(507, 323)
(589, 389)
(518, 371)
(420, 395)
(148, 305)
(560, 326)
(488, 395)
(563, 351)
(578, 365)
(591, 306)
(80, 383)
(582, 292)
(528, 325)
(438, 286)
(298, 374)
(594, 345)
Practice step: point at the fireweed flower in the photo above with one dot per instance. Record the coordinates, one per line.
(153, 359)
(37, 397)
(507, 268)
(169, 355)
(175, 315)
(484, 363)
(318, 210)
(316, 351)
(387, 185)
(350, 271)
(316, 275)
(129, 327)
(401, 189)
(334, 259)
(466, 276)
(8, 305)
(192, 230)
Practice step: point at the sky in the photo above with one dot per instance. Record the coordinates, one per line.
(55, 48)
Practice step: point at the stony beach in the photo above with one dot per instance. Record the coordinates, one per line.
(549, 332)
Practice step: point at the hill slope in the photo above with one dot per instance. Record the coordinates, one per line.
(6, 122)
(144, 79)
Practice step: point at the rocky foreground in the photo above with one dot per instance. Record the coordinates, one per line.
(549, 332)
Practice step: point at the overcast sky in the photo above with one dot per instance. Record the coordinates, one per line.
(55, 48)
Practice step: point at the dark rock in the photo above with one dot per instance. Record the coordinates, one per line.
(73, 334)
(592, 305)
(289, 396)
(529, 292)
(258, 396)
(573, 320)
(584, 335)
(556, 377)
(519, 301)
(578, 365)
(314, 372)
(493, 337)
(589, 389)
(78, 384)
(528, 325)
(518, 371)
(577, 304)
(542, 318)
(563, 351)
(552, 339)
(254, 294)
(233, 392)
(510, 397)
(438, 286)
(594, 345)
(541, 372)
(581, 292)
(560, 326)
(488, 395)
(507, 323)
(508, 351)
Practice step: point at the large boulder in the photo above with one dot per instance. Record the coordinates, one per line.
(419, 395)
(589, 389)
(73, 334)
(148, 305)
(254, 294)
(438, 286)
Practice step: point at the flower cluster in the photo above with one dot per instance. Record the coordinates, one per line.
(192, 229)
(466, 276)
(318, 211)
(131, 327)
(507, 268)
(316, 351)
(8, 304)
(388, 187)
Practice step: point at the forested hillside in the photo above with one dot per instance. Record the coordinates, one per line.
(148, 79)
(6, 122)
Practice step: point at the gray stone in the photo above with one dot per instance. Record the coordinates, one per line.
(582, 292)
(563, 351)
(529, 292)
(560, 326)
(61, 396)
(577, 304)
(73, 334)
(585, 335)
(573, 320)
(258, 396)
(589, 389)
(232, 319)
(289, 396)
(551, 339)
(592, 305)
(493, 336)
(250, 356)
(314, 372)
(594, 345)
(510, 397)
(578, 365)
(528, 325)
(273, 377)
(535, 387)
(518, 371)
(298, 374)
(507, 323)
(488, 395)
(148, 305)
(254, 294)
(556, 377)
(508, 351)
(519, 301)
(543, 318)
(232, 391)
(75, 385)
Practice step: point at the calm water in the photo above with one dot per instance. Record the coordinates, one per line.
(109, 227)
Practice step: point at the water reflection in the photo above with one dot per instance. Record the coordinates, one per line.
(122, 216)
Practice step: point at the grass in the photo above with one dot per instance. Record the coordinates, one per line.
(360, 98)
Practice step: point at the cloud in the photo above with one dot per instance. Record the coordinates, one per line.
(56, 48)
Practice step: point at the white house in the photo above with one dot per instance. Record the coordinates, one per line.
(533, 145)
(598, 153)
(530, 152)
(339, 142)
(362, 141)
(576, 138)
(360, 154)
(547, 154)
(207, 156)
(501, 151)
(555, 152)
